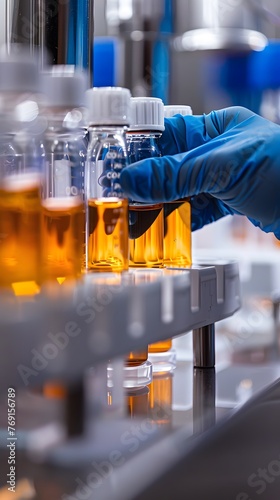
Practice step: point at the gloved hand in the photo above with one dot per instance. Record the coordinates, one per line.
(226, 162)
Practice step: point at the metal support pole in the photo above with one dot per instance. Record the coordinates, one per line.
(204, 347)
(75, 410)
(204, 397)
(204, 378)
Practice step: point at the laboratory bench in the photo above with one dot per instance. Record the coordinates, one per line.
(205, 428)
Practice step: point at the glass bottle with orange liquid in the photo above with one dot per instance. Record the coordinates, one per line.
(153, 401)
(145, 219)
(109, 112)
(177, 217)
(160, 399)
(107, 208)
(20, 180)
(176, 250)
(63, 222)
(63, 210)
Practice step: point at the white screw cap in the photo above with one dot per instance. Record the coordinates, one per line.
(170, 111)
(108, 106)
(64, 86)
(147, 113)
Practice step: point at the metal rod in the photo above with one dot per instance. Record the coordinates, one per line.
(204, 347)
(75, 410)
(204, 397)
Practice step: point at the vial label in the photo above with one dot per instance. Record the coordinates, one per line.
(62, 178)
(108, 172)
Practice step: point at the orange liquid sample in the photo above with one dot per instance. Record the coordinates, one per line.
(177, 234)
(54, 391)
(161, 399)
(136, 358)
(107, 247)
(145, 235)
(137, 402)
(162, 346)
(20, 233)
(63, 237)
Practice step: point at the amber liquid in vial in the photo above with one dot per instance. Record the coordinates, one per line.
(137, 358)
(137, 401)
(146, 235)
(107, 246)
(54, 390)
(177, 234)
(63, 237)
(20, 234)
(162, 346)
(160, 401)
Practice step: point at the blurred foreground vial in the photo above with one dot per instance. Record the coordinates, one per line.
(21, 128)
(63, 187)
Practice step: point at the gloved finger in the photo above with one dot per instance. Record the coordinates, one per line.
(213, 168)
(206, 209)
(173, 177)
(240, 167)
(183, 133)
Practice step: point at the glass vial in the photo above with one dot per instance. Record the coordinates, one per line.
(63, 191)
(161, 346)
(107, 209)
(137, 401)
(20, 181)
(160, 400)
(145, 219)
(177, 218)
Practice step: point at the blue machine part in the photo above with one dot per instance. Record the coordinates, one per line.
(104, 62)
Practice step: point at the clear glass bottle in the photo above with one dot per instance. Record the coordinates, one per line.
(145, 220)
(20, 180)
(63, 189)
(107, 208)
(177, 217)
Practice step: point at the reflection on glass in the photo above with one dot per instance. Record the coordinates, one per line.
(54, 390)
(137, 401)
(160, 401)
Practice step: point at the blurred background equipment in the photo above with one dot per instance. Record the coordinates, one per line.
(177, 50)
(61, 31)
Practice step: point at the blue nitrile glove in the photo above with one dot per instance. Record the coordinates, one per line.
(227, 162)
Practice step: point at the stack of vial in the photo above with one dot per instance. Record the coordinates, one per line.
(63, 213)
(20, 175)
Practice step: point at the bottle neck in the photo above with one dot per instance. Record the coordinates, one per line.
(107, 135)
(143, 145)
(65, 121)
(143, 134)
(107, 129)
